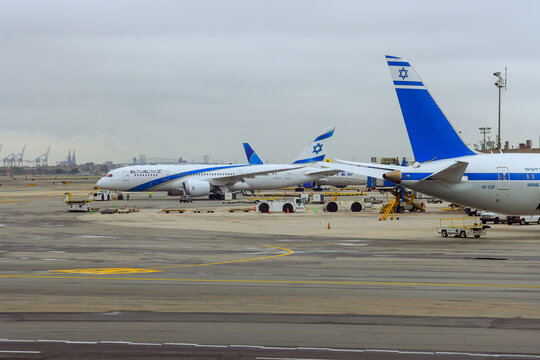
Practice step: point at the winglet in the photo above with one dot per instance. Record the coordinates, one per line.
(431, 135)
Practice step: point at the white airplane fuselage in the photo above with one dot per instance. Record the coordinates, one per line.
(172, 177)
(503, 183)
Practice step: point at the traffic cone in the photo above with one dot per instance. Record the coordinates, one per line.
(328, 226)
(287, 210)
(380, 219)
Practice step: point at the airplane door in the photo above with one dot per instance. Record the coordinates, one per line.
(126, 176)
(503, 178)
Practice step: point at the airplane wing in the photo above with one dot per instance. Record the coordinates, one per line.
(325, 172)
(226, 180)
(365, 169)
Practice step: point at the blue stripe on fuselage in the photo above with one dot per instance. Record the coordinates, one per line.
(156, 182)
(478, 176)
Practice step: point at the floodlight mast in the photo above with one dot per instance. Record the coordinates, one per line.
(501, 84)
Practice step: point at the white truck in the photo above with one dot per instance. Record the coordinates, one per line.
(79, 205)
(286, 206)
(106, 195)
(355, 205)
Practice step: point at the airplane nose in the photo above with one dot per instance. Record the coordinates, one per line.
(100, 182)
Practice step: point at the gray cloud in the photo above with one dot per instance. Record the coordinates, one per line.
(114, 79)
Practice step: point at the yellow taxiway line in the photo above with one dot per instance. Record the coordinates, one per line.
(111, 271)
(305, 282)
(288, 252)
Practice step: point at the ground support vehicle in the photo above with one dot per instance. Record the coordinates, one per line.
(399, 205)
(356, 205)
(105, 195)
(486, 217)
(523, 219)
(286, 206)
(317, 198)
(185, 199)
(79, 205)
(472, 212)
(461, 227)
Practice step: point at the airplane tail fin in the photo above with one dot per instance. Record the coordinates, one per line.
(316, 150)
(431, 135)
(252, 157)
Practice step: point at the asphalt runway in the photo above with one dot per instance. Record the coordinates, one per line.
(87, 289)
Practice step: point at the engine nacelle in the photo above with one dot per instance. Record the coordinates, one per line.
(312, 185)
(196, 187)
(175, 192)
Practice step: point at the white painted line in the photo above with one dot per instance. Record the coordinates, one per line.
(13, 340)
(113, 342)
(247, 346)
(450, 353)
(19, 352)
(347, 350)
(484, 355)
(383, 351)
(81, 342)
(53, 341)
(144, 344)
(213, 346)
(312, 348)
(416, 352)
(278, 348)
(180, 344)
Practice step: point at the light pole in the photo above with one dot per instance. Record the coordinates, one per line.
(500, 83)
(484, 131)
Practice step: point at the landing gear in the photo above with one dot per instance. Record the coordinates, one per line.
(216, 196)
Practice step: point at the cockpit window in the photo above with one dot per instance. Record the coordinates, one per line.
(109, 175)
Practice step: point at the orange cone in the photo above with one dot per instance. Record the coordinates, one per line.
(328, 226)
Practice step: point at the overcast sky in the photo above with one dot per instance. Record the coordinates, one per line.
(115, 79)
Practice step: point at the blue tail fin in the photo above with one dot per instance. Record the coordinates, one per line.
(251, 155)
(431, 135)
(316, 150)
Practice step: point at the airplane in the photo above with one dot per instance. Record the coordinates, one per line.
(445, 166)
(341, 179)
(213, 180)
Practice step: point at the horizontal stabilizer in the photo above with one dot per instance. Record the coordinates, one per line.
(451, 174)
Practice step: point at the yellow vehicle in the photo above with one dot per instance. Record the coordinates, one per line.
(461, 227)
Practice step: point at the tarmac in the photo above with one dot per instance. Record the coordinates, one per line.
(256, 286)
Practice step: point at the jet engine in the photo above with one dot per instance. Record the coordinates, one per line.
(196, 187)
